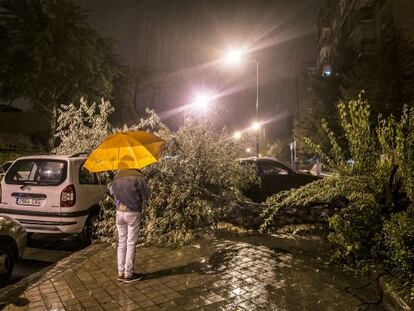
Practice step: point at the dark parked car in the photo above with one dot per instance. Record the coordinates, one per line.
(275, 177)
(12, 245)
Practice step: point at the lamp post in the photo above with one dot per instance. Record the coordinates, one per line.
(201, 102)
(234, 57)
(257, 107)
(292, 146)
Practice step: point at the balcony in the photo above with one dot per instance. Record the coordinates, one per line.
(366, 3)
(363, 37)
(324, 36)
(324, 61)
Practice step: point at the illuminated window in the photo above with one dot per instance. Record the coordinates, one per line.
(327, 71)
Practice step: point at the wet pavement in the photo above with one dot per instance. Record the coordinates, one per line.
(42, 251)
(229, 273)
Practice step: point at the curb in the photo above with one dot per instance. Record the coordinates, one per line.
(395, 296)
(13, 291)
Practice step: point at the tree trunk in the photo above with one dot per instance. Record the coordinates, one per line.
(305, 214)
(248, 215)
(53, 127)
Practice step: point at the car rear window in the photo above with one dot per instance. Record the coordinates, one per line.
(39, 172)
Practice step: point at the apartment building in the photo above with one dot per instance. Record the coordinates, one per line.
(359, 25)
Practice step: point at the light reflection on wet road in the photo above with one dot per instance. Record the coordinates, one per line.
(282, 272)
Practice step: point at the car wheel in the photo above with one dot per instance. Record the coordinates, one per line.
(87, 234)
(6, 263)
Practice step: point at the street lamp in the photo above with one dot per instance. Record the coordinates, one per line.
(234, 56)
(237, 135)
(256, 126)
(201, 102)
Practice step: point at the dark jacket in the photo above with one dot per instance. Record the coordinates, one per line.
(130, 188)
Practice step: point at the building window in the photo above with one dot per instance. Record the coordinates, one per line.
(327, 71)
(326, 33)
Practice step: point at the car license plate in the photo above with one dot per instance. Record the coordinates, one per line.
(28, 201)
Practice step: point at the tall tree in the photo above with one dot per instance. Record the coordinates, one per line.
(386, 77)
(51, 56)
(135, 90)
(321, 104)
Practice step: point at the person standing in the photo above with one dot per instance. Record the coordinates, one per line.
(130, 191)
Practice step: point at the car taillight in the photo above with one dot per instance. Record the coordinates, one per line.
(68, 196)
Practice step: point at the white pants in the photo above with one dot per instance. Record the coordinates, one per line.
(127, 224)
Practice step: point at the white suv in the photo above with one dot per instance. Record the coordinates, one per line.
(52, 194)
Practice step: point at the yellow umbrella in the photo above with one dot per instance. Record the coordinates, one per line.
(133, 149)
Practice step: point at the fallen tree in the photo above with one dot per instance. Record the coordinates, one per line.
(313, 203)
(192, 187)
(368, 205)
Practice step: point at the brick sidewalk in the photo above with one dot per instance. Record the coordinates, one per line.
(251, 273)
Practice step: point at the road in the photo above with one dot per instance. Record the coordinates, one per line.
(44, 250)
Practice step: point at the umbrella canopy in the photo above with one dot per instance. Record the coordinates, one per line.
(128, 150)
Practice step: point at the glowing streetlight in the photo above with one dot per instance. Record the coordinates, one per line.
(234, 56)
(237, 135)
(198, 104)
(202, 101)
(248, 150)
(256, 126)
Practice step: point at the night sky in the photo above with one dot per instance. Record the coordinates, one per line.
(182, 41)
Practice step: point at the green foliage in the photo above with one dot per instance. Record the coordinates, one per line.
(374, 151)
(359, 136)
(318, 104)
(399, 242)
(360, 141)
(328, 191)
(387, 76)
(51, 56)
(399, 239)
(198, 177)
(81, 128)
(191, 186)
(335, 160)
(378, 187)
(356, 231)
(396, 141)
(404, 149)
(105, 227)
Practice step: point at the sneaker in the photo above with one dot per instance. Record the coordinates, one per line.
(133, 278)
(120, 277)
